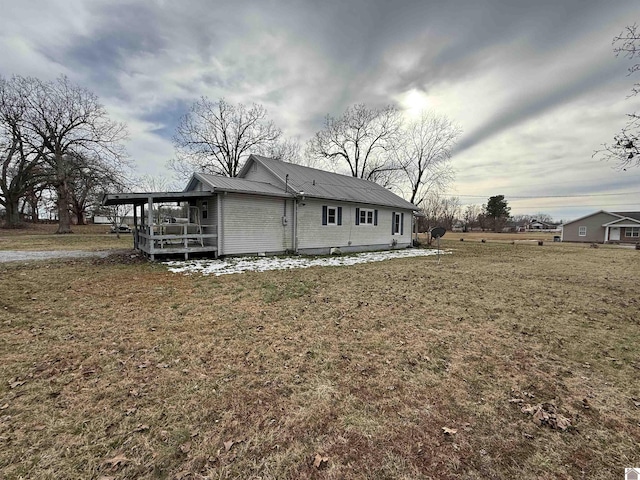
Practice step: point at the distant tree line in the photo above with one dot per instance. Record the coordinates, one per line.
(58, 142)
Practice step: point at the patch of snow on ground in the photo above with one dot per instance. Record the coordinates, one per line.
(262, 264)
(26, 255)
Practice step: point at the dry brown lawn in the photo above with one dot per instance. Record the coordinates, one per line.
(43, 237)
(127, 371)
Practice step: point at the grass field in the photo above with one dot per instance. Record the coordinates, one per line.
(43, 237)
(123, 370)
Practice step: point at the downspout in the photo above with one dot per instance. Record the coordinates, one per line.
(295, 226)
(218, 225)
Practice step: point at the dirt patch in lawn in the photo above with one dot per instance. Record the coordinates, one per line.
(398, 369)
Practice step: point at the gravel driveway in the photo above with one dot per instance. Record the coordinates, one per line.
(24, 255)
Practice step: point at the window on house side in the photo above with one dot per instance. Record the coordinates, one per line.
(396, 224)
(632, 232)
(205, 209)
(366, 217)
(331, 216)
(582, 231)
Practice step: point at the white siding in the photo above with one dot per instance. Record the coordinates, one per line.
(252, 224)
(312, 234)
(258, 173)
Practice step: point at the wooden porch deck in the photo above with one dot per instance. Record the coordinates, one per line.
(176, 239)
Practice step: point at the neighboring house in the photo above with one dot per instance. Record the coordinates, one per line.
(537, 225)
(274, 207)
(603, 227)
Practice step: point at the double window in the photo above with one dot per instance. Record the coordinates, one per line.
(632, 232)
(366, 216)
(582, 231)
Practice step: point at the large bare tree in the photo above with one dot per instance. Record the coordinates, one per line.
(21, 164)
(216, 137)
(362, 140)
(424, 154)
(68, 123)
(625, 149)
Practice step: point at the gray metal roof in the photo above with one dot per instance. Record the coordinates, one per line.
(327, 185)
(634, 215)
(140, 198)
(235, 184)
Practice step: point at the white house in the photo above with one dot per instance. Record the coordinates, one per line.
(273, 207)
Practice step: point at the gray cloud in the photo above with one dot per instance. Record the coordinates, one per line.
(303, 60)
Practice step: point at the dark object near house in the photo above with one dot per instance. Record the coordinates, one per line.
(483, 241)
(540, 243)
(638, 246)
(120, 229)
(462, 239)
(556, 238)
(438, 232)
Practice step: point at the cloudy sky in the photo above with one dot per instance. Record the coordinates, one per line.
(534, 84)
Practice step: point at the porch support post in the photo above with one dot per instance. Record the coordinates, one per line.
(219, 224)
(150, 221)
(606, 234)
(135, 226)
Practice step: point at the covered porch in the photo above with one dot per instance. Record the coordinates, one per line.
(153, 236)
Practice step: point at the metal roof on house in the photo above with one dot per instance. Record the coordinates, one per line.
(311, 182)
(140, 198)
(235, 184)
(634, 215)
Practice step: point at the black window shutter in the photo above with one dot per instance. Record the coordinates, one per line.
(339, 215)
(324, 214)
(357, 216)
(402, 223)
(393, 223)
(375, 217)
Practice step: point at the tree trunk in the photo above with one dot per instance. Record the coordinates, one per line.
(80, 220)
(13, 214)
(64, 215)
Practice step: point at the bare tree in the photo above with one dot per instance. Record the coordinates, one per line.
(215, 137)
(470, 216)
(424, 154)
(155, 183)
(20, 163)
(625, 149)
(88, 181)
(68, 123)
(438, 211)
(362, 139)
(285, 149)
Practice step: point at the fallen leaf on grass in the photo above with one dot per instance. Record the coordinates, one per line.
(17, 384)
(116, 461)
(228, 444)
(141, 428)
(320, 461)
(4, 407)
(39, 428)
(449, 431)
(516, 400)
(185, 447)
(546, 414)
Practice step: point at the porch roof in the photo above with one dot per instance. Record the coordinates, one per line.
(142, 198)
